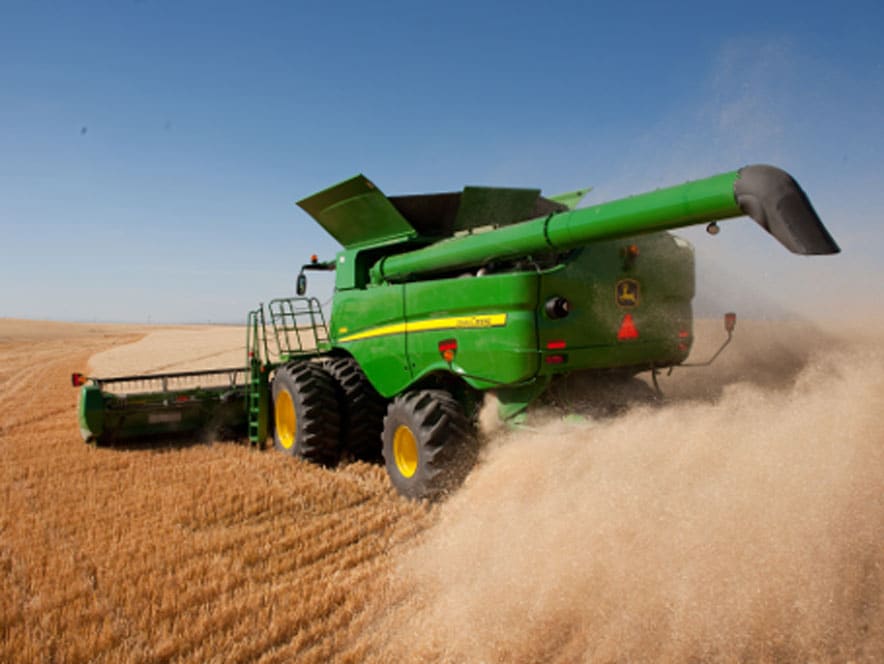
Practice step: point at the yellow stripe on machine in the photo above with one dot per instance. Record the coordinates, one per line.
(453, 323)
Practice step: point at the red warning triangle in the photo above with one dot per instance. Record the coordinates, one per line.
(627, 329)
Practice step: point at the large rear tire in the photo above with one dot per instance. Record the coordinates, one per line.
(363, 410)
(429, 444)
(306, 413)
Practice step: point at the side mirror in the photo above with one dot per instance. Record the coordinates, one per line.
(301, 284)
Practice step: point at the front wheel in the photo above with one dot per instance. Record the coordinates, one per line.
(429, 444)
(306, 413)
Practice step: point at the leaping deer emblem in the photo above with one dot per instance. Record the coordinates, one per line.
(627, 292)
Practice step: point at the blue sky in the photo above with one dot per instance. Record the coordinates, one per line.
(151, 152)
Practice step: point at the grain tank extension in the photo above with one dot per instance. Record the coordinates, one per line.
(440, 298)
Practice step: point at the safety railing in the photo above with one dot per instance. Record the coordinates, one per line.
(298, 325)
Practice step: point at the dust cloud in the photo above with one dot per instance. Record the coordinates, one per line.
(744, 520)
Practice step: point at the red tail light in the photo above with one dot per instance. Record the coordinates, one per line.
(78, 379)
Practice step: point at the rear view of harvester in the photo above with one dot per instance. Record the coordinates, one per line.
(440, 298)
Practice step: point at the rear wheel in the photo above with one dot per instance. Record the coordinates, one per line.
(363, 410)
(306, 413)
(429, 444)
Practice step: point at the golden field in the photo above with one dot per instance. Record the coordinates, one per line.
(743, 521)
(207, 552)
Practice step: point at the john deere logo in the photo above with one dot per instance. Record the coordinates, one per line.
(627, 293)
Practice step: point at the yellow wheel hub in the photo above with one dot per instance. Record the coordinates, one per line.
(405, 451)
(285, 419)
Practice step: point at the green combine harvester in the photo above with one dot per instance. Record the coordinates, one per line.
(440, 298)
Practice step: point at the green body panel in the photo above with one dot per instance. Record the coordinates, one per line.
(403, 325)
(381, 357)
(488, 353)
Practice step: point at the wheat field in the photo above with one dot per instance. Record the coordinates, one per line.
(743, 521)
(189, 553)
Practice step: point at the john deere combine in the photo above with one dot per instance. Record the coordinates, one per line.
(440, 298)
